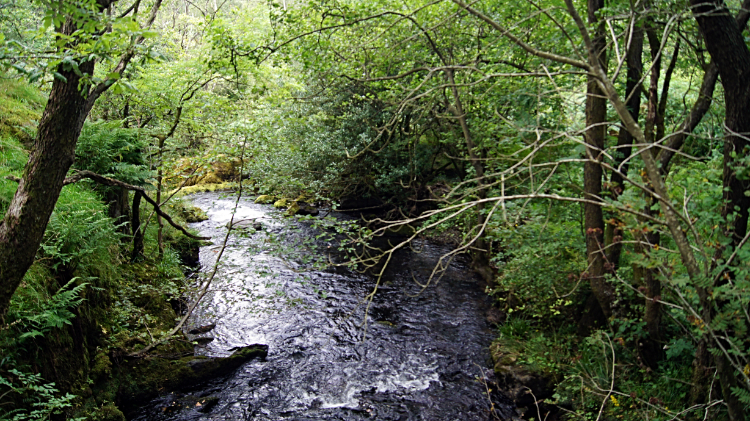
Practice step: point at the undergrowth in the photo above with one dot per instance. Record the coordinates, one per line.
(82, 300)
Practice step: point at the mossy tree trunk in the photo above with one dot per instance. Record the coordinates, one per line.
(22, 228)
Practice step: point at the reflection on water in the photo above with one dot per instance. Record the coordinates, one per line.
(419, 357)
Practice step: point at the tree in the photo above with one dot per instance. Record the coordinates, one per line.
(71, 99)
(726, 44)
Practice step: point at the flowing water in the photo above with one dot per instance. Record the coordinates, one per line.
(421, 355)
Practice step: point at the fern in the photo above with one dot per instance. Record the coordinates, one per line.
(106, 148)
(742, 394)
(53, 314)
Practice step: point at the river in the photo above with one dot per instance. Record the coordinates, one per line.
(422, 355)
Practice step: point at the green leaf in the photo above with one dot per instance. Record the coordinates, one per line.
(58, 76)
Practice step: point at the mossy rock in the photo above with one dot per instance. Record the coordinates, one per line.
(102, 368)
(265, 199)
(516, 380)
(188, 212)
(292, 209)
(227, 171)
(194, 214)
(201, 188)
(305, 198)
(107, 413)
(281, 204)
(210, 178)
(142, 380)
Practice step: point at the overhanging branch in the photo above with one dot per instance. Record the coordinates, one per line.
(80, 175)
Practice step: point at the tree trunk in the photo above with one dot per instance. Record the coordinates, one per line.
(159, 186)
(650, 348)
(137, 231)
(625, 143)
(726, 44)
(22, 228)
(596, 117)
(480, 253)
(119, 210)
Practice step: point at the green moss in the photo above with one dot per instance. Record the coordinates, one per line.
(200, 188)
(292, 209)
(108, 412)
(102, 368)
(281, 203)
(265, 199)
(12, 160)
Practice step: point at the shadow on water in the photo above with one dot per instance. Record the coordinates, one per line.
(422, 356)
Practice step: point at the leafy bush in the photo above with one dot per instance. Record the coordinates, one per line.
(635, 392)
(538, 266)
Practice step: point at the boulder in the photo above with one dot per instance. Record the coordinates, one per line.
(292, 209)
(141, 380)
(202, 329)
(265, 199)
(194, 214)
(281, 203)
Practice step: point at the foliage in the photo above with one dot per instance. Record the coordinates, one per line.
(33, 52)
(106, 148)
(53, 314)
(20, 107)
(12, 160)
(539, 265)
(39, 396)
(79, 232)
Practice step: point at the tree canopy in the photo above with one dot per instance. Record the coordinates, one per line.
(591, 157)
